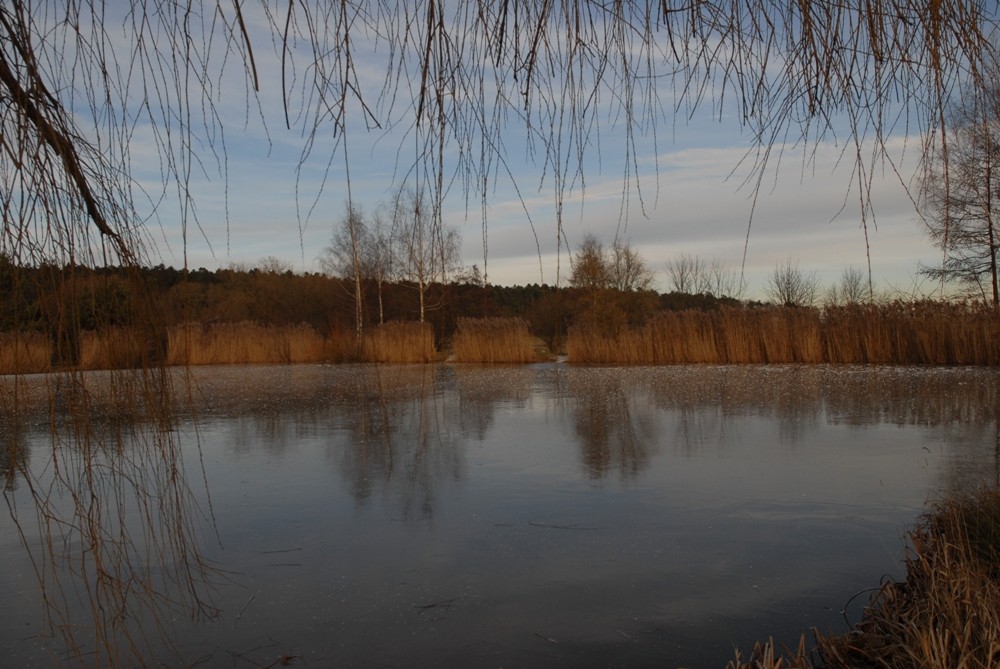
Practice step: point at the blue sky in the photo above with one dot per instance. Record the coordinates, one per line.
(693, 205)
(691, 202)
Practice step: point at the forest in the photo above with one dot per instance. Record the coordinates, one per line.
(79, 317)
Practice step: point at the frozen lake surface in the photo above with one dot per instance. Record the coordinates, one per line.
(539, 516)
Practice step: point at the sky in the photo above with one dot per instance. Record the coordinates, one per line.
(691, 202)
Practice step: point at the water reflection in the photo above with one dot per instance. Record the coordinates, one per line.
(424, 514)
(615, 427)
(103, 515)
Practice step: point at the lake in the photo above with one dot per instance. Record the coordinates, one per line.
(408, 516)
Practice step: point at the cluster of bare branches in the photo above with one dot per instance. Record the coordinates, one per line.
(619, 267)
(960, 197)
(690, 274)
(397, 241)
(81, 82)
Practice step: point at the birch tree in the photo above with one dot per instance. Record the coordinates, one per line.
(426, 250)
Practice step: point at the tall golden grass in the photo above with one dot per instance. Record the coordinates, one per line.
(248, 343)
(25, 353)
(493, 340)
(399, 342)
(898, 333)
(944, 614)
(112, 348)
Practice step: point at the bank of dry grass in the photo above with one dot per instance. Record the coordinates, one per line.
(248, 343)
(25, 353)
(932, 333)
(114, 348)
(944, 614)
(493, 340)
(399, 342)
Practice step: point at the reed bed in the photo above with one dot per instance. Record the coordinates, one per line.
(494, 340)
(112, 348)
(402, 342)
(944, 614)
(898, 333)
(246, 343)
(25, 353)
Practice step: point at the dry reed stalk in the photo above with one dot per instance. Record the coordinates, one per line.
(740, 334)
(305, 344)
(767, 656)
(944, 614)
(844, 334)
(403, 342)
(25, 353)
(684, 337)
(111, 348)
(925, 334)
(244, 343)
(493, 340)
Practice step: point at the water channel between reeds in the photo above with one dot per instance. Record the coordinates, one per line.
(450, 515)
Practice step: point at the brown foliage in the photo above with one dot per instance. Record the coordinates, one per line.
(944, 614)
(399, 342)
(493, 340)
(898, 333)
(24, 353)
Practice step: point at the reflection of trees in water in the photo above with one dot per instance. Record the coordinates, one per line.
(108, 520)
(13, 452)
(396, 437)
(403, 428)
(108, 517)
(912, 396)
(614, 423)
(703, 400)
(482, 389)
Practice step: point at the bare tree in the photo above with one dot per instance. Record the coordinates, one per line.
(854, 287)
(379, 253)
(273, 265)
(961, 199)
(724, 281)
(346, 257)
(626, 269)
(425, 250)
(791, 287)
(688, 274)
(72, 104)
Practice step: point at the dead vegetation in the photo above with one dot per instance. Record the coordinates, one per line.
(944, 614)
(933, 333)
(493, 340)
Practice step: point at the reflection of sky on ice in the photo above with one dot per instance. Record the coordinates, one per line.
(637, 516)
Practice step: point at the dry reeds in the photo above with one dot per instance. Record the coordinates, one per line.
(944, 614)
(246, 343)
(494, 340)
(111, 348)
(25, 353)
(402, 342)
(897, 333)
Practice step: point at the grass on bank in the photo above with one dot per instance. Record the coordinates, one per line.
(899, 333)
(246, 343)
(399, 342)
(944, 614)
(25, 353)
(493, 340)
